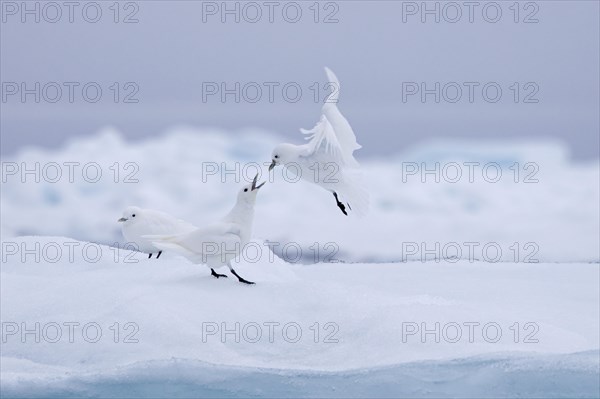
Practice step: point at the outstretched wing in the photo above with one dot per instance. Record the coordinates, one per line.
(322, 139)
(333, 134)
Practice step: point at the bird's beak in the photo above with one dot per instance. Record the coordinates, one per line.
(273, 164)
(122, 220)
(254, 186)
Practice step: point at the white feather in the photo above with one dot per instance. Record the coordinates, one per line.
(327, 159)
(217, 244)
(333, 133)
(212, 245)
(138, 222)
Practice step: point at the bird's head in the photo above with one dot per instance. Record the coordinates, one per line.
(131, 214)
(248, 193)
(282, 154)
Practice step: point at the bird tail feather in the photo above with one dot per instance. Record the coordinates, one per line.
(166, 243)
(354, 192)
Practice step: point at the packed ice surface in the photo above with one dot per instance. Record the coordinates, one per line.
(370, 326)
(141, 320)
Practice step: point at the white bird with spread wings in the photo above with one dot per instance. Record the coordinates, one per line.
(327, 159)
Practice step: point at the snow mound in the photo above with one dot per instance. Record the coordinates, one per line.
(105, 321)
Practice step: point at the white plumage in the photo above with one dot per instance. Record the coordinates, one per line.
(218, 244)
(328, 158)
(138, 222)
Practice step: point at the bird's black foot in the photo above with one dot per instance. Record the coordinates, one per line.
(340, 205)
(157, 256)
(149, 256)
(217, 275)
(241, 279)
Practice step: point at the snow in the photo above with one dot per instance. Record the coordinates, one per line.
(559, 214)
(175, 304)
(63, 262)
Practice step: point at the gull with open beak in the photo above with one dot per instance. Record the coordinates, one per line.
(218, 244)
(327, 159)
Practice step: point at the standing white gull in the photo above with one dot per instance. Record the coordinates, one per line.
(327, 159)
(138, 222)
(218, 244)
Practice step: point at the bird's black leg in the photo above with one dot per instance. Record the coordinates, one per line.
(217, 275)
(149, 256)
(159, 252)
(241, 279)
(339, 204)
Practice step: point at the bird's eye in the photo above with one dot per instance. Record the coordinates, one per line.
(245, 189)
(133, 215)
(276, 156)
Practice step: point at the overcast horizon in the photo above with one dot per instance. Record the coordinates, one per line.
(529, 72)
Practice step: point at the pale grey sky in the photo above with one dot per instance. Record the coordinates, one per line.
(382, 52)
